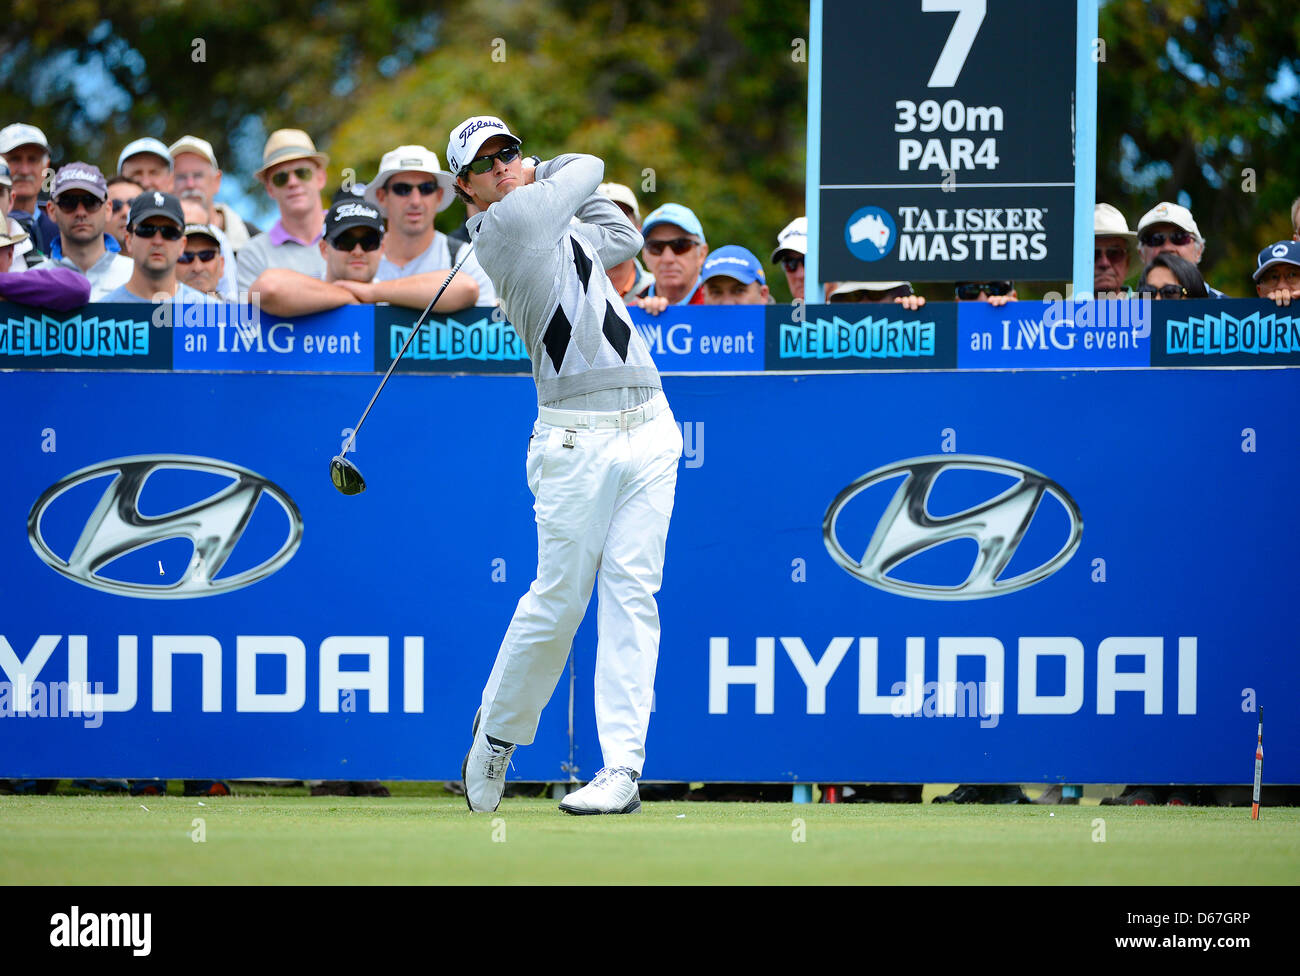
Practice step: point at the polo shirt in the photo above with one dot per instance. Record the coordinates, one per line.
(109, 272)
(278, 249)
(437, 257)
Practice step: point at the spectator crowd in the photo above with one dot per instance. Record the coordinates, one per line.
(154, 231)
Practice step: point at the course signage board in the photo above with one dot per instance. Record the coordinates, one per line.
(947, 140)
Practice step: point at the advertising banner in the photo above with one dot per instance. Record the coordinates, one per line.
(873, 577)
(946, 140)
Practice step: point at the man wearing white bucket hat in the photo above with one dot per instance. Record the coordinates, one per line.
(411, 189)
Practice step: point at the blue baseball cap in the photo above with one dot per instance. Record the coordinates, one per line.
(674, 213)
(1283, 252)
(733, 261)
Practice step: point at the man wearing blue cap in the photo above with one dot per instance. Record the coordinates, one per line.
(675, 249)
(1278, 274)
(733, 276)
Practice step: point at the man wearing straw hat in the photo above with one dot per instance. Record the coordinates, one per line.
(293, 173)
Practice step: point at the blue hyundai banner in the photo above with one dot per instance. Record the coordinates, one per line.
(884, 577)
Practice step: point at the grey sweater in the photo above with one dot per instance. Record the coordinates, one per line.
(546, 247)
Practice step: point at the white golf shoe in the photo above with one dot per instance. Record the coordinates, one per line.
(612, 791)
(483, 772)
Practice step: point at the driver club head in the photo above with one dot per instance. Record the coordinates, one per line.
(346, 477)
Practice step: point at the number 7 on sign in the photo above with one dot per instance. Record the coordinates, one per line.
(970, 14)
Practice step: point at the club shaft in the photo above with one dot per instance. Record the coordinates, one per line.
(393, 365)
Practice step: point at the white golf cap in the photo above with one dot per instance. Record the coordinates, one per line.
(146, 145)
(1170, 213)
(849, 287)
(193, 144)
(465, 140)
(1109, 222)
(415, 159)
(22, 134)
(793, 237)
(621, 194)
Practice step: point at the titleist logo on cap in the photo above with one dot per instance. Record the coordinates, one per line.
(355, 210)
(78, 174)
(473, 127)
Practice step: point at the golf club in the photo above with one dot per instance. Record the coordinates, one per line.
(343, 472)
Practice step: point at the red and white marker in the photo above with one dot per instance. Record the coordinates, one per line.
(1259, 766)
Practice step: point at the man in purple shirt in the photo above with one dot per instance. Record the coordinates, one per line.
(57, 289)
(293, 173)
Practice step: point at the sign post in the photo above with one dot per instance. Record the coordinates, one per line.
(943, 138)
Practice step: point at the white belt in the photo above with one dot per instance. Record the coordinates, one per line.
(595, 419)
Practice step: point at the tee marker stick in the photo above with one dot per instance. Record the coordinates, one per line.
(1259, 766)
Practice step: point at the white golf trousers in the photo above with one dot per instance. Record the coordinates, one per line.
(602, 510)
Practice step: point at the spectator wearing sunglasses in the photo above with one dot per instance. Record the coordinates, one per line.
(202, 265)
(1277, 276)
(80, 214)
(293, 173)
(196, 213)
(22, 242)
(1113, 251)
(675, 249)
(875, 292)
(156, 228)
(411, 189)
(1168, 228)
(1169, 277)
(351, 249)
(791, 248)
(629, 277)
(994, 292)
(121, 192)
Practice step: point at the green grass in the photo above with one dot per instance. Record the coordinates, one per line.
(276, 837)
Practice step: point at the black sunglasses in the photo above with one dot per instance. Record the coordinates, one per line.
(1113, 254)
(1164, 291)
(147, 231)
(483, 164)
(969, 291)
(119, 205)
(207, 254)
(680, 245)
(369, 241)
(1154, 238)
(304, 174)
(791, 264)
(427, 189)
(69, 202)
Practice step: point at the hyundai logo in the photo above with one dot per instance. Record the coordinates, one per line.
(907, 528)
(116, 527)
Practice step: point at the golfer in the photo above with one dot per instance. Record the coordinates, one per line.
(602, 459)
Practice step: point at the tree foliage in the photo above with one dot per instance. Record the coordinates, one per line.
(698, 101)
(1198, 103)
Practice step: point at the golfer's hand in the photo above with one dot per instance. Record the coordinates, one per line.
(528, 173)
